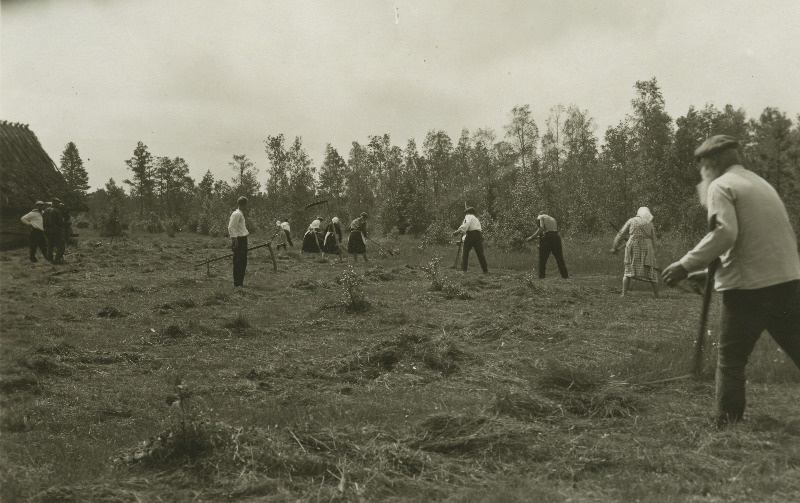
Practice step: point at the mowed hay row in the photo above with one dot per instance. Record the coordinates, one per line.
(411, 351)
(360, 462)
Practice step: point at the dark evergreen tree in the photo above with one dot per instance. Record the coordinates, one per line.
(73, 171)
(143, 182)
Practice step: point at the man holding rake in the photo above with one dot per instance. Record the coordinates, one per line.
(473, 239)
(759, 275)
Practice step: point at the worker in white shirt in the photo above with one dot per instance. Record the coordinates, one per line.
(237, 230)
(287, 232)
(36, 238)
(473, 238)
(549, 242)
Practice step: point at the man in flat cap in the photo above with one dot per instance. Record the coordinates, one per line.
(759, 275)
(473, 238)
(36, 239)
(54, 225)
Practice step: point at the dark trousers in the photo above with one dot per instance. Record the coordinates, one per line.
(36, 240)
(55, 245)
(745, 315)
(239, 260)
(550, 242)
(474, 240)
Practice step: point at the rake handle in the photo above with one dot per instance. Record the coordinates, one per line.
(700, 342)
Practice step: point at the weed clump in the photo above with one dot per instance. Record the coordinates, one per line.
(562, 376)
(20, 382)
(522, 406)
(412, 351)
(239, 323)
(588, 394)
(475, 436)
(453, 291)
(216, 299)
(188, 438)
(433, 272)
(185, 303)
(69, 292)
(110, 312)
(174, 331)
(380, 273)
(305, 284)
(352, 286)
(439, 284)
(45, 365)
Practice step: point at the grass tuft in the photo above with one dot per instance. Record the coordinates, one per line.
(18, 382)
(523, 406)
(110, 312)
(217, 299)
(560, 375)
(238, 323)
(174, 331)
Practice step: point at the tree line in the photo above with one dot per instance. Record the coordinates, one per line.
(561, 167)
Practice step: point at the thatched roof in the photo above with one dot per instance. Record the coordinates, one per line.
(27, 173)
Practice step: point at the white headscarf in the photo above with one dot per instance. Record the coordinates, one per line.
(644, 214)
(335, 220)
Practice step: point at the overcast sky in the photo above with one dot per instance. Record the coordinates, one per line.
(205, 80)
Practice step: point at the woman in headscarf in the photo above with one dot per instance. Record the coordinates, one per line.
(333, 237)
(358, 231)
(312, 240)
(640, 256)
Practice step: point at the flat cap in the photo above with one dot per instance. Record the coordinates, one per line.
(715, 144)
(40, 203)
(57, 200)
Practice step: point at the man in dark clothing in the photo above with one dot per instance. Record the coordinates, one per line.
(36, 239)
(471, 228)
(549, 242)
(54, 231)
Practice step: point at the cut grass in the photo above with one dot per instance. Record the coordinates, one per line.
(523, 391)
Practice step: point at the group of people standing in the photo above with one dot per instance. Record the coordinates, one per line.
(331, 240)
(328, 241)
(49, 225)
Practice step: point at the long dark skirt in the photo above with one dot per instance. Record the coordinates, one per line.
(356, 243)
(311, 242)
(330, 245)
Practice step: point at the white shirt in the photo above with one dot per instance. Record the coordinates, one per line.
(236, 226)
(547, 223)
(34, 219)
(753, 237)
(471, 223)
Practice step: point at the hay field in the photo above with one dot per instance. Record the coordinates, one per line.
(130, 375)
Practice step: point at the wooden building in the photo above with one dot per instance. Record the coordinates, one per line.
(27, 174)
